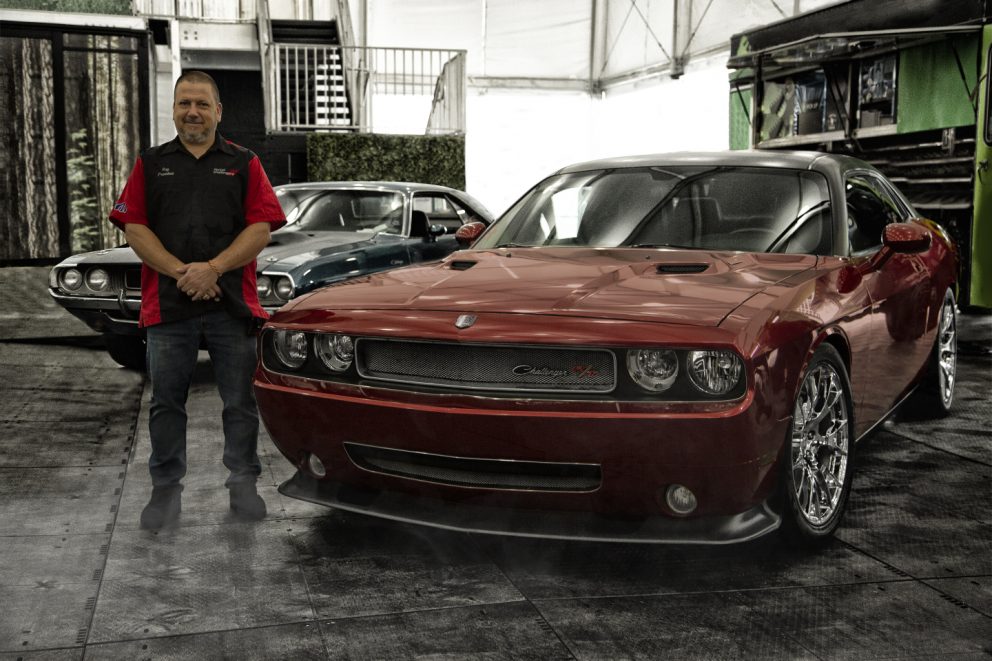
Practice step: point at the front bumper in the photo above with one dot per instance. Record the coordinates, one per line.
(104, 314)
(497, 465)
(580, 526)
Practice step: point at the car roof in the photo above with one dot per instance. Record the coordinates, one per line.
(397, 186)
(802, 160)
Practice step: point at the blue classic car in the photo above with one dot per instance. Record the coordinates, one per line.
(336, 231)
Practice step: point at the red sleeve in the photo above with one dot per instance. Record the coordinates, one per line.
(261, 205)
(130, 206)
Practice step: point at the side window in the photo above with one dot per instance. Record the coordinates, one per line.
(869, 210)
(440, 211)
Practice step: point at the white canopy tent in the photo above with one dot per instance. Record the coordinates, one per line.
(556, 81)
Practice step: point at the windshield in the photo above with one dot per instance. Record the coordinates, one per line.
(725, 208)
(316, 210)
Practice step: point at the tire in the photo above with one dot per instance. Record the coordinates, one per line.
(935, 394)
(818, 458)
(127, 350)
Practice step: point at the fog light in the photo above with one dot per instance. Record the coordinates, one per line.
(316, 467)
(680, 499)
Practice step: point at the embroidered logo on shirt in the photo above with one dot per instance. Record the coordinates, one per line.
(165, 172)
(121, 207)
(229, 173)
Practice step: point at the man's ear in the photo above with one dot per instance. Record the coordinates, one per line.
(220, 111)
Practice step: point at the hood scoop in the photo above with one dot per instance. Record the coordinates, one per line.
(682, 268)
(461, 264)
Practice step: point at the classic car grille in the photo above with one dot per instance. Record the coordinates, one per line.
(132, 278)
(487, 367)
(480, 473)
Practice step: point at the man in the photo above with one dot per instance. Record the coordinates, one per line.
(197, 211)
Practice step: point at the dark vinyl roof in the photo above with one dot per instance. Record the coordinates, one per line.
(397, 186)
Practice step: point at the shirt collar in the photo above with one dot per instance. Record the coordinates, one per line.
(220, 144)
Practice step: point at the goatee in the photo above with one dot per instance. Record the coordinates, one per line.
(195, 138)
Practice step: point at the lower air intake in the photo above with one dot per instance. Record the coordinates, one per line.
(479, 473)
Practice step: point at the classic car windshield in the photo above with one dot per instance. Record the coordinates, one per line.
(314, 209)
(722, 208)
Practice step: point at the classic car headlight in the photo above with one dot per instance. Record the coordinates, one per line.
(290, 347)
(653, 369)
(97, 279)
(284, 288)
(263, 285)
(335, 351)
(71, 279)
(715, 372)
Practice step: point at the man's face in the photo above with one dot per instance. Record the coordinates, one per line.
(195, 112)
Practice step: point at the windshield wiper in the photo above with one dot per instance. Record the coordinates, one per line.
(513, 245)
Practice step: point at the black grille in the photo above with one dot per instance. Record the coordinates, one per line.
(487, 367)
(132, 278)
(480, 473)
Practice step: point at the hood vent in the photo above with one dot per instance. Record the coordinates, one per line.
(462, 265)
(682, 268)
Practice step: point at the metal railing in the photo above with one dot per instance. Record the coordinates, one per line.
(335, 88)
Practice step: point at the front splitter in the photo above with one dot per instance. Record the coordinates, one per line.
(544, 524)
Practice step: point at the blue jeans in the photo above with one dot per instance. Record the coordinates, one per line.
(172, 353)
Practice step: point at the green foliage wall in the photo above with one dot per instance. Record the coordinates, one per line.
(84, 6)
(369, 157)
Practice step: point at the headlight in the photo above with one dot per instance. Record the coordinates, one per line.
(263, 286)
(335, 351)
(653, 369)
(284, 288)
(71, 279)
(714, 372)
(290, 347)
(97, 279)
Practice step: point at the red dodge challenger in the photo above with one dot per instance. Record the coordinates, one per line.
(680, 348)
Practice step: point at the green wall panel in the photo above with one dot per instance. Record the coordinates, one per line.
(930, 91)
(740, 122)
(981, 229)
(375, 157)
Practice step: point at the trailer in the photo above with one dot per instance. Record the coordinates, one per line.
(902, 84)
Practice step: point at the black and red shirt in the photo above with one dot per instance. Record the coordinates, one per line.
(196, 208)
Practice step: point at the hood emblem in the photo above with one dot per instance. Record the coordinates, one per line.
(465, 320)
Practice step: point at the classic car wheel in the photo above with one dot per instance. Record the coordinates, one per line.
(818, 466)
(936, 393)
(126, 350)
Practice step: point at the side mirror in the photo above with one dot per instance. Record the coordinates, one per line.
(468, 233)
(906, 237)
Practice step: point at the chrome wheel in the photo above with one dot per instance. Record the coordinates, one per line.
(820, 445)
(947, 352)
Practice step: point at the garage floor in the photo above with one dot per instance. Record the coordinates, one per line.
(909, 577)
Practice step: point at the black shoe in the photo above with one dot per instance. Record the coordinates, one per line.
(163, 508)
(246, 504)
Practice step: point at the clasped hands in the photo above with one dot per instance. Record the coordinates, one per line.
(198, 280)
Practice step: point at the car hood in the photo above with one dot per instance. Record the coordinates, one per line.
(286, 248)
(108, 257)
(289, 249)
(671, 286)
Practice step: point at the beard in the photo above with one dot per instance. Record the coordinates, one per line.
(195, 136)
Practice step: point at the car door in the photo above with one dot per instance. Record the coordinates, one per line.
(898, 288)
